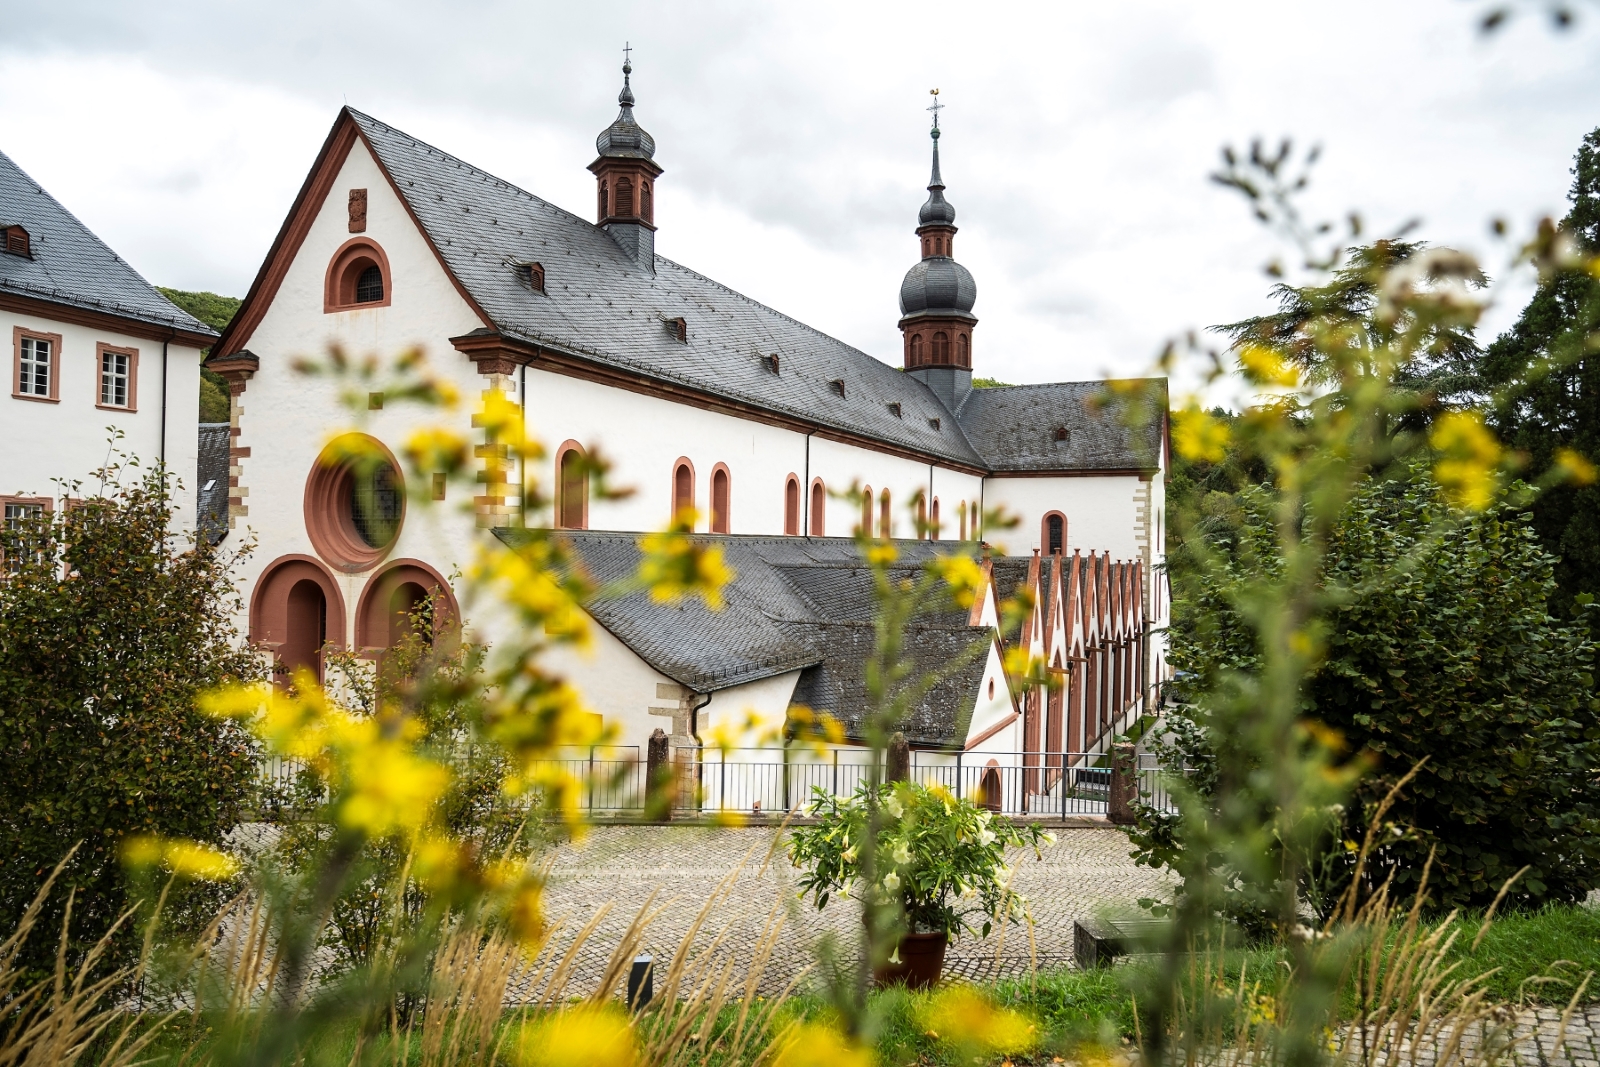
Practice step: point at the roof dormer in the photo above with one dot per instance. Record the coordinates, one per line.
(16, 241)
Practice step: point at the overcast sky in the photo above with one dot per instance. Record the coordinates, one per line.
(1078, 137)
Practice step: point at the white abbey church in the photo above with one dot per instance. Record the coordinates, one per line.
(699, 396)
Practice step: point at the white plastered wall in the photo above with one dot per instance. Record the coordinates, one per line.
(41, 441)
(288, 418)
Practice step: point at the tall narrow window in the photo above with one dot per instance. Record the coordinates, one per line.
(791, 506)
(819, 509)
(682, 490)
(118, 377)
(572, 483)
(963, 351)
(20, 535)
(885, 516)
(720, 522)
(34, 366)
(605, 202)
(916, 349)
(922, 516)
(646, 208)
(866, 511)
(624, 197)
(933, 527)
(1055, 534)
(961, 516)
(941, 348)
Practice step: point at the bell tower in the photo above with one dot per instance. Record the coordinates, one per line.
(625, 179)
(937, 295)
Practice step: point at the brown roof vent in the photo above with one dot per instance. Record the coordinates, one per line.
(933, 424)
(678, 328)
(838, 385)
(771, 362)
(17, 242)
(894, 409)
(1062, 435)
(530, 274)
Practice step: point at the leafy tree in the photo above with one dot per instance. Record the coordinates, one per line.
(1440, 646)
(107, 632)
(216, 312)
(1548, 358)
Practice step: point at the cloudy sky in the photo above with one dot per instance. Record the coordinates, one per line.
(1078, 137)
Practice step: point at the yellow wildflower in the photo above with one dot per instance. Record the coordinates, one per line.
(436, 449)
(1469, 459)
(392, 789)
(963, 575)
(963, 1016)
(585, 1036)
(675, 566)
(186, 859)
(1198, 435)
(525, 914)
(820, 1045)
(1574, 467)
(501, 419)
(1264, 366)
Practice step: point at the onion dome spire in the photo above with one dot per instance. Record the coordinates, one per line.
(937, 211)
(625, 138)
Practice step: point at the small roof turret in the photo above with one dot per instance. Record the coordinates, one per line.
(937, 211)
(625, 138)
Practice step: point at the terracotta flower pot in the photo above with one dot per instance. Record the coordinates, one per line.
(921, 962)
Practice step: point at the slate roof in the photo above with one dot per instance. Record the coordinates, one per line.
(601, 306)
(211, 505)
(796, 604)
(71, 266)
(1014, 428)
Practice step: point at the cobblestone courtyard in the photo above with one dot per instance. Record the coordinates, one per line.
(1087, 870)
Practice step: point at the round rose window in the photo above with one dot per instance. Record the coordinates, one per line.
(355, 502)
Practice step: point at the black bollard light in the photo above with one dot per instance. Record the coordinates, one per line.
(640, 982)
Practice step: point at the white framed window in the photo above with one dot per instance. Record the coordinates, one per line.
(15, 544)
(34, 365)
(119, 377)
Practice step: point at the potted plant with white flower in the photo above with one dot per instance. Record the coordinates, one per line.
(936, 861)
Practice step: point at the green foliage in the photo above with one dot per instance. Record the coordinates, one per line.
(989, 383)
(942, 859)
(107, 632)
(1439, 645)
(216, 312)
(1548, 358)
(210, 308)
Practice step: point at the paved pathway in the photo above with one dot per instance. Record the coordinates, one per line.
(1087, 870)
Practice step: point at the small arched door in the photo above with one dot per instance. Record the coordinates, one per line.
(307, 630)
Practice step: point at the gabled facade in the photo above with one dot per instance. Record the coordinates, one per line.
(698, 396)
(93, 349)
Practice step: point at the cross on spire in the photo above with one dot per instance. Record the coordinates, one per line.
(936, 107)
(627, 52)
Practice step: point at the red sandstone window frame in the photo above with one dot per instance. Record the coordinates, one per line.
(791, 505)
(721, 509)
(54, 339)
(933, 521)
(101, 350)
(372, 635)
(48, 505)
(866, 511)
(269, 602)
(326, 504)
(819, 508)
(885, 515)
(344, 271)
(564, 488)
(1044, 532)
(679, 501)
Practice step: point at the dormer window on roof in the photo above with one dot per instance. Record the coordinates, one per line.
(679, 329)
(838, 385)
(771, 362)
(17, 242)
(894, 409)
(1062, 435)
(530, 274)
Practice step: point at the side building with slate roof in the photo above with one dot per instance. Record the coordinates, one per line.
(698, 397)
(93, 349)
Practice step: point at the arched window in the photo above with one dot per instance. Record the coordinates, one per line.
(922, 516)
(791, 506)
(933, 527)
(819, 509)
(1054, 534)
(605, 201)
(866, 511)
(407, 597)
(941, 349)
(963, 351)
(916, 349)
(885, 516)
(646, 208)
(358, 277)
(682, 491)
(961, 515)
(572, 488)
(295, 612)
(624, 197)
(720, 522)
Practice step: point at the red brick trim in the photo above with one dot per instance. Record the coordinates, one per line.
(327, 505)
(1044, 532)
(676, 504)
(372, 616)
(561, 453)
(100, 350)
(991, 731)
(17, 334)
(269, 602)
(793, 504)
(339, 282)
(819, 515)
